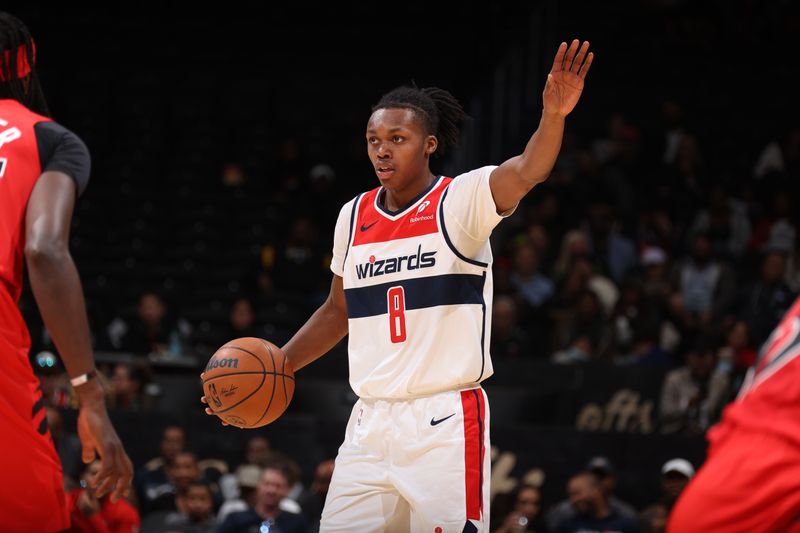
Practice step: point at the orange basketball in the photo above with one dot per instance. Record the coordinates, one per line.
(248, 382)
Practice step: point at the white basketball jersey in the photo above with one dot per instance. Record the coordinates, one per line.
(418, 307)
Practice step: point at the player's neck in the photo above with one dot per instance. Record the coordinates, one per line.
(398, 199)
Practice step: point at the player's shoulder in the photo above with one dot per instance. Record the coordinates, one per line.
(475, 174)
(53, 133)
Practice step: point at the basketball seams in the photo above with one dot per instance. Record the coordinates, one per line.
(283, 381)
(206, 380)
(274, 379)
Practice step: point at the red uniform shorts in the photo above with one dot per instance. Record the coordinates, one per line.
(31, 483)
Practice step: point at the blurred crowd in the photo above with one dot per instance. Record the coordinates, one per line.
(178, 491)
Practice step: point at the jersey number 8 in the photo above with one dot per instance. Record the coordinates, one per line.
(396, 300)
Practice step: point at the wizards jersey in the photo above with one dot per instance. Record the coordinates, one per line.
(418, 287)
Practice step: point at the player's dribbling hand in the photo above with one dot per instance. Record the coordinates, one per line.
(565, 80)
(208, 409)
(98, 437)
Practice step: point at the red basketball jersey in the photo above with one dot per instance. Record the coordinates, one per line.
(769, 399)
(20, 167)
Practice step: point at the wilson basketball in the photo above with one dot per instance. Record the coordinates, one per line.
(248, 382)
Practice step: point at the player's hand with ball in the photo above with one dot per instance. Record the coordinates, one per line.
(247, 383)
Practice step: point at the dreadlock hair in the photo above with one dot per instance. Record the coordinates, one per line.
(14, 36)
(440, 112)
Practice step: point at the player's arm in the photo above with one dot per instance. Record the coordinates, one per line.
(326, 327)
(512, 180)
(56, 286)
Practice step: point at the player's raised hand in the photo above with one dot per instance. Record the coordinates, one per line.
(98, 437)
(565, 80)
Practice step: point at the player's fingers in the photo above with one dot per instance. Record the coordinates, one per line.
(576, 65)
(209, 411)
(123, 487)
(203, 399)
(106, 477)
(570, 56)
(88, 453)
(202, 374)
(559, 60)
(586, 64)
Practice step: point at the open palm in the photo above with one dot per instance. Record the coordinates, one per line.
(565, 81)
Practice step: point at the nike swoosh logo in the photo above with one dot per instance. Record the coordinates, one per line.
(365, 228)
(435, 422)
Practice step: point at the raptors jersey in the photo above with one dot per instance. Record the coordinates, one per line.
(418, 287)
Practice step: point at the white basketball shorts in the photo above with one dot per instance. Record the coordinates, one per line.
(419, 465)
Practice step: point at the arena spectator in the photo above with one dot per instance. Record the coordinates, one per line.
(693, 396)
(313, 499)
(535, 288)
(181, 473)
(152, 481)
(273, 486)
(613, 255)
(726, 223)
(153, 330)
(128, 387)
(592, 510)
(89, 514)
(704, 287)
(762, 303)
(584, 332)
(675, 475)
(605, 476)
(194, 513)
(654, 519)
(525, 517)
(508, 338)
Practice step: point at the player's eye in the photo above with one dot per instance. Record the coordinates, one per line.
(372, 140)
(397, 139)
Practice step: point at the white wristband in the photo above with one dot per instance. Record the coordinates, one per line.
(83, 378)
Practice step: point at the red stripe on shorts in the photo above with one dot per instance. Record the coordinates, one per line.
(472, 404)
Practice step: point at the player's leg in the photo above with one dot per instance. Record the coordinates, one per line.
(750, 483)
(361, 497)
(31, 480)
(443, 468)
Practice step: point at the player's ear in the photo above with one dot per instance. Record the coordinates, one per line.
(431, 143)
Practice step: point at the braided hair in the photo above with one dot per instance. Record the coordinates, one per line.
(18, 56)
(439, 111)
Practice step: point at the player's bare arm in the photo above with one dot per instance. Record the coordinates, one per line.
(322, 331)
(57, 289)
(512, 180)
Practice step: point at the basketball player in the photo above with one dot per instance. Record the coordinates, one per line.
(750, 481)
(43, 168)
(412, 286)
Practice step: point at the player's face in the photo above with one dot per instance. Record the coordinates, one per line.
(398, 147)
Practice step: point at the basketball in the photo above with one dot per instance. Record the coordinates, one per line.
(248, 382)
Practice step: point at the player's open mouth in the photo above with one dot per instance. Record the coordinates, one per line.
(384, 171)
